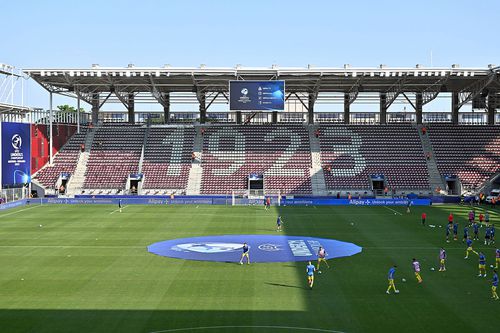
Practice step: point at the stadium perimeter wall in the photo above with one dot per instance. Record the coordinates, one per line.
(226, 200)
(206, 200)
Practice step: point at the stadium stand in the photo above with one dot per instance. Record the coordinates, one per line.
(116, 152)
(470, 152)
(281, 153)
(351, 153)
(167, 157)
(64, 162)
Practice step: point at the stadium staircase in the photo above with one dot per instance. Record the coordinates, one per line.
(488, 185)
(317, 176)
(75, 184)
(144, 143)
(435, 179)
(194, 180)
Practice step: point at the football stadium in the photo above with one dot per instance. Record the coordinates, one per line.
(257, 194)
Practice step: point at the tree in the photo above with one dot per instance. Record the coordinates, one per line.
(67, 108)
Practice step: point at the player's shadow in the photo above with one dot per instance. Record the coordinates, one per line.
(283, 285)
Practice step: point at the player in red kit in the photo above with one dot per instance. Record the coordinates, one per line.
(424, 217)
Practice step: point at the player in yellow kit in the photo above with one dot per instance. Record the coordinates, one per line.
(322, 258)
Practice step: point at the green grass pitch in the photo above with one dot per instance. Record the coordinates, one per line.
(87, 269)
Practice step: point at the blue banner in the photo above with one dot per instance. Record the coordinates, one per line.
(217, 200)
(16, 154)
(257, 95)
(13, 204)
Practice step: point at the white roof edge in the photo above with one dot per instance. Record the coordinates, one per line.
(257, 69)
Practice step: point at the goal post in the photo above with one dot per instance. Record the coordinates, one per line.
(274, 196)
(239, 197)
(246, 197)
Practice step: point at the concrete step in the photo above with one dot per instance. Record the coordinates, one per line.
(75, 184)
(435, 179)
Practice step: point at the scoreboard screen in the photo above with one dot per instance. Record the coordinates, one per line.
(257, 95)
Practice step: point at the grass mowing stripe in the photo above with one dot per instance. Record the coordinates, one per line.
(252, 327)
(115, 285)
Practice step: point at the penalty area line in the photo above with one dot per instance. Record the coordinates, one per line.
(392, 210)
(258, 327)
(117, 210)
(18, 211)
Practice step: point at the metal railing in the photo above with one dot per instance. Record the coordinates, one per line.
(13, 194)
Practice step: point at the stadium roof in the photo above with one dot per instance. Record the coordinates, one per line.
(149, 84)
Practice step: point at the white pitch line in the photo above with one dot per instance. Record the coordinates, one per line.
(76, 246)
(409, 248)
(258, 327)
(18, 211)
(117, 210)
(395, 211)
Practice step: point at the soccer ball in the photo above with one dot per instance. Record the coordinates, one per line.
(319, 272)
(432, 268)
(395, 214)
(491, 266)
(397, 291)
(40, 225)
(403, 279)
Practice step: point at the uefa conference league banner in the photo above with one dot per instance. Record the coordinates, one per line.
(16, 154)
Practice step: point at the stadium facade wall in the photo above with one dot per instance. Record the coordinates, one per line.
(40, 142)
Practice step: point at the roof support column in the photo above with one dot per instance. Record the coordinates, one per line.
(95, 108)
(51, 117)
(454, 108)
(419, 103)
(310, 108)
(347, 109)
(131, 108)
(383, 108)
(166, 108)
(203, 108)
(491, 108)
(275, 117)
(238, 117)
(78, 114)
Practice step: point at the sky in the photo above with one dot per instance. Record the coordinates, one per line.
(36, 34)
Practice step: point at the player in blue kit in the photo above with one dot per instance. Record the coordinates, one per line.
(245, 254)
(449, 229)
(494, 286)
(466, 233)
(390, 278)
(492, 234)
(487, 236)
(469, 249)
(310, 269)
(475, 227)
(482, 264)
(279, 222)
(455, 231)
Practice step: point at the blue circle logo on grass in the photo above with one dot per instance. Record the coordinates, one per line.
(263, 248)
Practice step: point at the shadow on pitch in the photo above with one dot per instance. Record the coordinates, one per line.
(283, 285)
